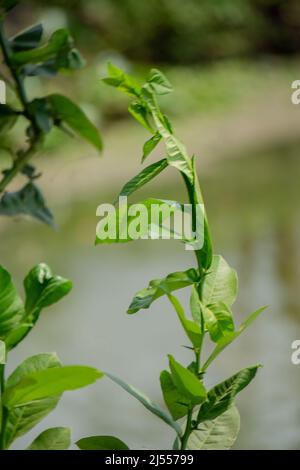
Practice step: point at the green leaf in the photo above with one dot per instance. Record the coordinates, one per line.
(122, 81)
(11, 306)
(205, 254)
(195, 306)
(144, 177)
(65, 110)
(52, 439)
(187, 383)
(146, 402)
(230, 337)
(220, 284)
(218, 320)
(2, 352)
(218, 434)
(140, 113)
(176, 152)
(159, 82)
(22, 418)
(8, 118)
(28, 39)
(149, 219)
(27, 201)
(150, 145)
(60, 42)
(41, 111)
(46, 383)
(221, 397)
(164, 286)
(101, 443)
(191, 329)
(177, 403)
(42, 289)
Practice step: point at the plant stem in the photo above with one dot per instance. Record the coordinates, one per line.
(188, 430)
(16, 76)
(20, 163)
(3, 410)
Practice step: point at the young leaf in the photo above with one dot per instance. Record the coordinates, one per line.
(145, 220)
(177, 403)
(21, 419)
(140, 113)
(52, 439)
(144, 177)
(122, 81)
(176, 152)
(2, 352)
(63, 109)
(42, 289)
(146, 402)
(230, 337)
(187, 383)
(150, 145)
(159, 82)
(46, 383)
(217, 434)
(218, 320)
(27, 201)
(191, 329)
(220, 284)
(11, 306)
(160, 287)
(101, 443)
(27, 40)
(221, 397)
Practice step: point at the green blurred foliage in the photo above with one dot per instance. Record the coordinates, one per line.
(173, 31)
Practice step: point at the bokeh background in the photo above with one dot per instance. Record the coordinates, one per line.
(232, 63)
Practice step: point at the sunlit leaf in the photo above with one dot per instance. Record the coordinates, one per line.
(230, 337)
(187, 383)
(70, 113)
(218, 434)
(164, 286)
(101, 443)
(144, 177)
(22, 418)
(52, 439)
(221, 397)
(220, 284)
(46, 383)
(177, 403)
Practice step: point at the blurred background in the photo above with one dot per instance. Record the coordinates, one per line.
(232, 63)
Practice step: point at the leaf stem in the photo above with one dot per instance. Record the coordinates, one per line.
(3, 410)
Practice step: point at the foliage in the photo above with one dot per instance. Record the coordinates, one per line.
(210, 418)
(28, 55)
(34, 388)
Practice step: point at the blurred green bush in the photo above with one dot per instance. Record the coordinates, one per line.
(173, 31)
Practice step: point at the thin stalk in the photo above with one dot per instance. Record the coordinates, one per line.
(188, 430)
(20, 163)
(36, 140)
(3, 410)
